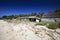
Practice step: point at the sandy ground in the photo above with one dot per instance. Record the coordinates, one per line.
(26, 31)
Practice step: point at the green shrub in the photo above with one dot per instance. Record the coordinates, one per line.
(59, 25)
(41, 23)
(52, 25)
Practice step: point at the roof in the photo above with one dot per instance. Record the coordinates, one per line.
(29, 17)
(52, 15)
(33, 17)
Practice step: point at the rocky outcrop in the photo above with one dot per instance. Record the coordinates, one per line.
(26, 31)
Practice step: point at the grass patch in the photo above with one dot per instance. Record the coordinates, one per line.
(51, 25)
(19, 20)
(22, 21)
(41, 23)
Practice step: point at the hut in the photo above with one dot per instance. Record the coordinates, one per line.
(51, 17)
(31, 18)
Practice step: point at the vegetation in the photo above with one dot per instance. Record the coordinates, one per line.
(19, 21)
(57, 10)
(54, 25)
(9, 17)
(41, 23)
(23, 15)
(40, 14)
(51, 25)
(33, 14)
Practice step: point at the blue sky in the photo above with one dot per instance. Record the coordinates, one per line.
(9, 7)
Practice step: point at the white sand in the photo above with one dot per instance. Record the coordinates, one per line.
(26, 31)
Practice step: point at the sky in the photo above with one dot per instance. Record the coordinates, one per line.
(16, 7)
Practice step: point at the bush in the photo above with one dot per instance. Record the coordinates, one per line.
(52, 25)
(59, 25)
(41, 23)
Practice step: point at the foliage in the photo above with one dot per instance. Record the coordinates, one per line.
(41, 23)
(26, 15)
(9, 17)
(40, 14)
(5, 17)
(59, 25)
(23, 15)
(51, 25)
(33, 14)
(57, 10)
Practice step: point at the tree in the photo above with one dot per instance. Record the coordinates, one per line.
(33, 14)
(12, 16)
(57, 10)
(9, 17)
(40, 14)
(4, 17)
(23, 15)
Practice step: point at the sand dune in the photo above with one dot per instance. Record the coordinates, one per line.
(26, 31)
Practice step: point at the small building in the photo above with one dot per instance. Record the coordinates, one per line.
(30, 18)
(51, 17)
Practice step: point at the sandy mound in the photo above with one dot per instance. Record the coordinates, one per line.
(26, 31)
